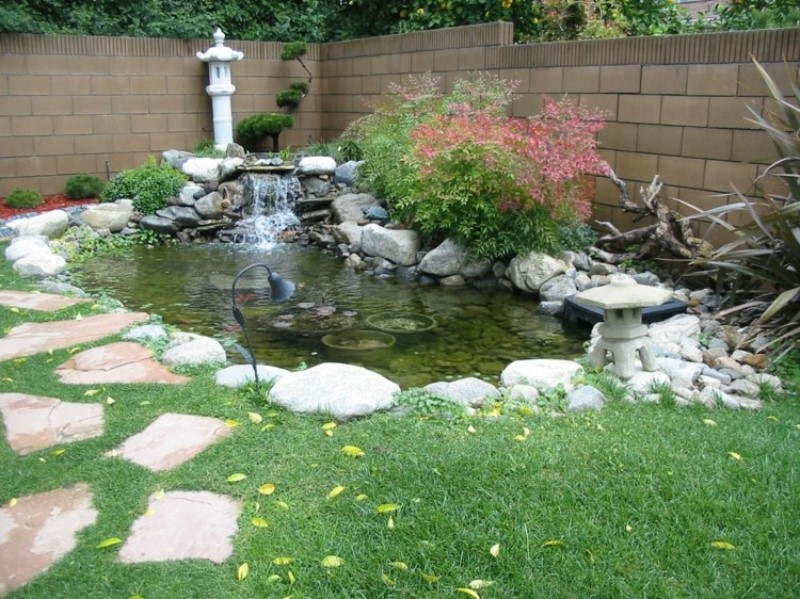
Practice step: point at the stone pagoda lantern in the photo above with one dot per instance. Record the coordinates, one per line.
(220, 88)
(622, 333)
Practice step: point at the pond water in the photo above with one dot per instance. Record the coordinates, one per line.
(477, 333)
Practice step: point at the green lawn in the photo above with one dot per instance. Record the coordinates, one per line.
(622, 503)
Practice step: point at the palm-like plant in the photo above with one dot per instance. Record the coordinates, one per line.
(761, 263)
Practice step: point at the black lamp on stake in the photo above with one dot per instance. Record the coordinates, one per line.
(280, 290)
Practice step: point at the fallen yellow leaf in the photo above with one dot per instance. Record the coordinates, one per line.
(254, 418)
(332, 561)
(553, 543)
(471, 430)
(735, 455)
(290, 575)
(495, 550)
(362, 497)
(235, 478)
(329, 433)
(266, 427)
(146, 403)
(390, 523)
(231, 422)
(336, 491)
(468, 592)
(159, 494)
(723, 545)
(59, 451)
(387, 508)
(328, 426)
(273, 578)
(773, 418)
(109, 542)
(401, 566)
(149, 512)
(242, 571)
(352, 451)
(479, 584)
(709, 422)
(282, 561)
(430, 578)
(110, 400)
(258, 522)
(91, 392)
(282, 504)
(12, 502)
(7, 379)
(267, 489)
(388, 580)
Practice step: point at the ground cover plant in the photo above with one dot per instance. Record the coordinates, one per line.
(633, 501)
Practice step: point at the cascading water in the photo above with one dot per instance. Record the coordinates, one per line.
(271, 199)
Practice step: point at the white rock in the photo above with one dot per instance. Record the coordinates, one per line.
(673, 330)
(341, 390)
(398, 245)
(641, 383)
(585, 398)
(349, 232)
(145, 332)
(763, 378)
(542, 374)
(524, 393)
(528, 273)
(24, 246)
(51, 224)
(187, 349)
(242, 374)
(40, 265)
(445, 259)
(316, 165)
(681, 372)
(112, 216)
(202, 169)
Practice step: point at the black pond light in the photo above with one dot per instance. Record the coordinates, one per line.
(280, 290)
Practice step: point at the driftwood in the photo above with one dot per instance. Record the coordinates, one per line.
(669, 232)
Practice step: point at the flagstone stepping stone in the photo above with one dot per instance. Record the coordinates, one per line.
(122, 362)
(37, 301)
(34, 423)
(183, 525)
(170, 440)
(32, 338)
(40, 529)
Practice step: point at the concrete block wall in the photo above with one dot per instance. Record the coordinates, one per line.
(98, 105)
(677, 106)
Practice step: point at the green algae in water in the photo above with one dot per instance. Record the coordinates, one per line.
(478, 333)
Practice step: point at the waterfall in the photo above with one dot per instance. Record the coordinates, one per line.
(271, 198)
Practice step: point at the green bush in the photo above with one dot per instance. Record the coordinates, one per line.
(149, 186)
(301, 86)
(289, 98)
(349, 149)
(24, 198)
(205, 149)
(84, 186)
(254, 128)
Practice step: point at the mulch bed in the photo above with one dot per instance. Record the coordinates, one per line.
(53, 202)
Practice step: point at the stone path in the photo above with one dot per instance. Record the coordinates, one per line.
(38, 530)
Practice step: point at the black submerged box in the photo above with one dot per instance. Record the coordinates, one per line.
(576, 314)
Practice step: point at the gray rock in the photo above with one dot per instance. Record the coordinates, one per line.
(722, 377)
(647, 278)
(444, 260)
(744, 387)
(468, 392)
(542, 374)
(51, 224)
(158, 224)
(674, 329)
(452, 281)
(557, 289)
(602, 269)
(211, 206)
(585, 398)
(763, 378)
(472, 268)
(528, 273)
(184, 218)
(39, 265)
(347, 173)
(680, 371)
(582, 281)
(351, 206)
(348, 232)
(398, 245)
(188, 193)
(341, 390)
(242, 374)
(524, 393)
(229, 167)
(641, 383)
(188, 349)
(314, 186)
(551, 308)
(175, 157)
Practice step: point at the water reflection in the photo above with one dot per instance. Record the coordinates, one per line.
(479, 332)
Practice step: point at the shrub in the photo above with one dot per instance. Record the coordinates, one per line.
(349, 149)
(24, 198)
(258, 126)
(84, 186)
(205, 149)
(456, 166)
(149, 186)
(289, 98)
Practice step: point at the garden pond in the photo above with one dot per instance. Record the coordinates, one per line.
(477, 331)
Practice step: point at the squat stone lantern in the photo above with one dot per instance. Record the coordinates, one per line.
(622, 333)
(220, 88)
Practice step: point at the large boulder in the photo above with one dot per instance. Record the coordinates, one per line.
(158, 224)
(530, 272)
(347, 173)
(183, 217)
(211, 206)
(350, 206)
(242, 374)
(467, 392)
(112, 216)
(348, 232)
(541, 374)
(341, 390)
(51, 224)
(396, 245)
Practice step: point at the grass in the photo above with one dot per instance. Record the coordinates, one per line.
(622, 503)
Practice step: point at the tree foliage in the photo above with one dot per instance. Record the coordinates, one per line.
(328, 20)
